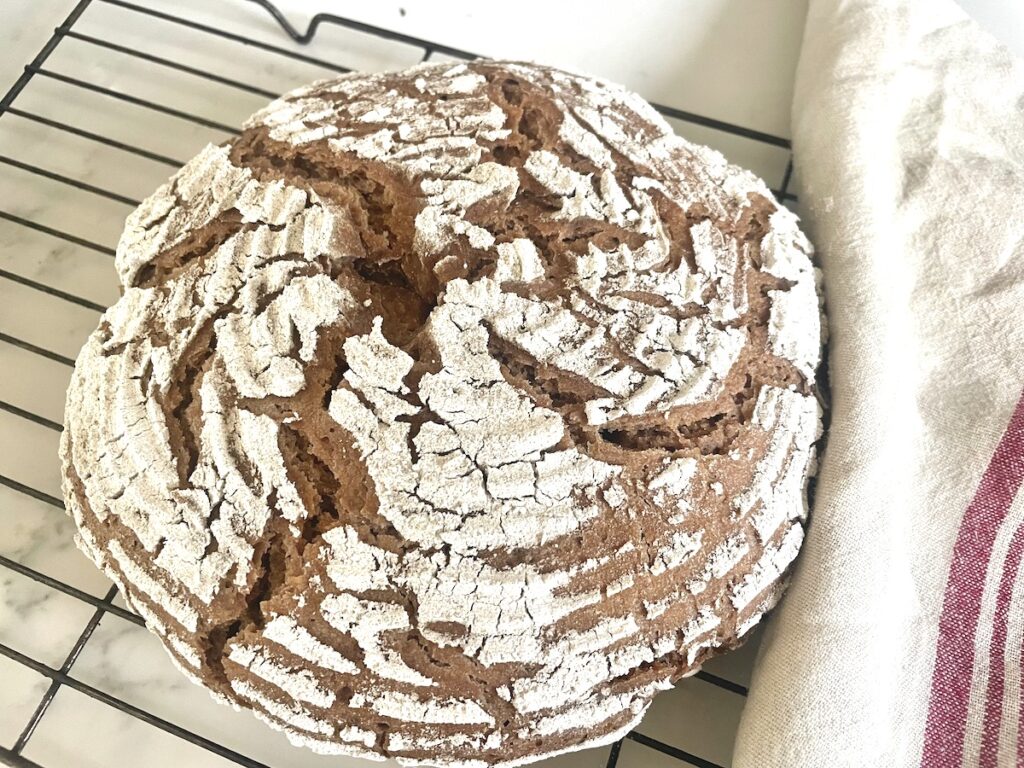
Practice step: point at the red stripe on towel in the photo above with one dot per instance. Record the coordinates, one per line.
(997, 653)
(954, 655)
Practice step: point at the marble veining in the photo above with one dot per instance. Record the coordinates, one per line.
(39, 536)
(19, 695)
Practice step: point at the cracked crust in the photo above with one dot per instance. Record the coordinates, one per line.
(449, 414)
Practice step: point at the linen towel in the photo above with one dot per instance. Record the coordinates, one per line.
(899, 642)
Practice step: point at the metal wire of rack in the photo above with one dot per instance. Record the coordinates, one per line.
(61, 676)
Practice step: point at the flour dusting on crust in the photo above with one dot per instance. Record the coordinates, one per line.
(448, 415)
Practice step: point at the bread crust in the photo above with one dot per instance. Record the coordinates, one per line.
(450, 414)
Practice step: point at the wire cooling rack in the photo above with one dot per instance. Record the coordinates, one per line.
(97, 119)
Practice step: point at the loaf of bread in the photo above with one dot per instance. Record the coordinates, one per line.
(450, 414)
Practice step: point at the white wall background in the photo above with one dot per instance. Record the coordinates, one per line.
(745, 51)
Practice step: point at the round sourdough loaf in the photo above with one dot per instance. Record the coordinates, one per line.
(450, 414)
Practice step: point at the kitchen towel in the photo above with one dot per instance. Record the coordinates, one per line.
(899, 643)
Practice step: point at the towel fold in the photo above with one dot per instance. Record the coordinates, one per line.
(899, 642)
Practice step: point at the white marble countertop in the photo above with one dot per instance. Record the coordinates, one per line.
(728, 59)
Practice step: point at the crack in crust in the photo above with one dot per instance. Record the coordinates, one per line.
(450, 414)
